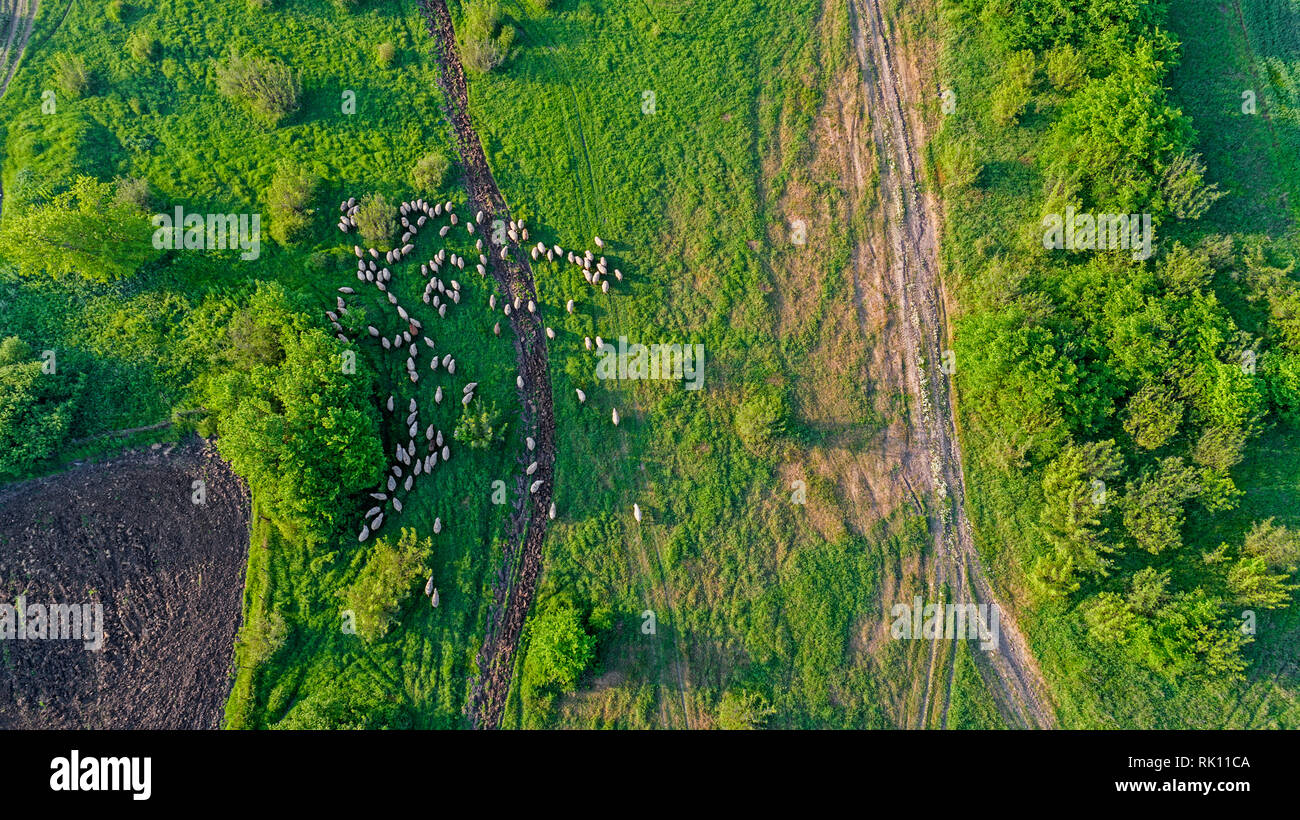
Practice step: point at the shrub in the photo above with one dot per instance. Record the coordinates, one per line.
(71, 75)
(485, 42)
(288, 202)
(1013, 94)
(477, 430)
(384, 54)
(761, 419)
(268, 87)
(385, 581)
(1066, 68)
(134, 192)
(114, 10)
(429, 173)
(376, 220)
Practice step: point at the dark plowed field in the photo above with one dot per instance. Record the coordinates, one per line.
(168, 572)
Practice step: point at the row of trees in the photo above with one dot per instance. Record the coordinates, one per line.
(1126, 387)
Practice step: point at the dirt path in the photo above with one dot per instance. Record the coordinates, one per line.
(521, 565)
(954, 570)
(20, 31)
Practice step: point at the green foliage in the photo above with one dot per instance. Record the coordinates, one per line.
(269, 88)
(387, 579)
(261, 638)
(559, 650)
(479, 427)
(303, 433)
(741, 710)
(71, 75)
(142, 45)
(484, 41)
(376, 220)
(1012, 95)
(84, 231)
(385, 53)
(762, 417)
(288, 202)
(37, 407)
(430, 172)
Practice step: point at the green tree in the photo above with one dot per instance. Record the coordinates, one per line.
(429, 173)
(559, 649)
(288, 202)
(478, 429)
(269, 88)
(376, 220)
(300, 430)
(387, 579)
(1075, 500)
(85, 230)
(1153, 505)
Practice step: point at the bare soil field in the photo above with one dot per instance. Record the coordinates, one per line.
(169, 573)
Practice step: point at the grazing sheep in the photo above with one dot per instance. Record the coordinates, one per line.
(600, 243)
(415, 378)
(478, 217)
(390, 404)
(442, 310)
(469, 397)
(437, 526)
(365, 533)
(551, 513)
(438, 439)
(392, 300)
(443, 230)
(533, 253)
(550, 334)
(446, 452)
(410, 480)
(600, 342)
(357, 250)
(392, 484)
(469, 228)
(519, 382)
(380, 496)
(372, 512)
(569, 306)
(532, 308)
(469, 387)
(379, 522)
(348, 291)
(604, 287)
(437, 399)
(428, 586)
(636, 512)
(614, 416)
(532, 468)
(582, 397)
(434, 599)
(529, 441)
(428, 341)
(387, 344)
(397, 502)
(535, 486)
(586, 341)
(401, 311)
(496, 329)
(428, 432)
(451, 368)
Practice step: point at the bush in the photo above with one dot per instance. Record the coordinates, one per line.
(134, 192)
(384, 54)
(376, 220)
(761, 419)
(385, 581)
(479, 430)
(288, 202)
(485, 42)
(429, 173)
(142, 44)
(268, 87)
(1013, 94)
(114, 10)
(71, 75)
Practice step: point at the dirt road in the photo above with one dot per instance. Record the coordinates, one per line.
(522, 562)
(955, 573)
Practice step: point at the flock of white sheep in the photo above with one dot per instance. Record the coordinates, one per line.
(409, 463)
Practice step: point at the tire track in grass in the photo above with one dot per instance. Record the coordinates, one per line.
(1009, 670)
(662, 599)
(521, 563)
